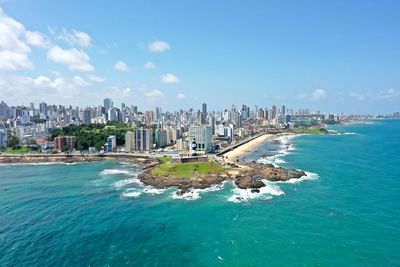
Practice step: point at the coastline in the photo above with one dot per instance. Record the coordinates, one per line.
(245, 149)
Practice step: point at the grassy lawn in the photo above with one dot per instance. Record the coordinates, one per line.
(186, 169)
(310, 130)
(21, 150)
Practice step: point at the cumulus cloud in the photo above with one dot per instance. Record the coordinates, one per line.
(318, 94)
(73, 38)
(149, 65)
(158, 46)
(75, 59)
(121, 66)
(13, 49)
(180, 96)
(35, 89)
(169, 78)
(37, 39)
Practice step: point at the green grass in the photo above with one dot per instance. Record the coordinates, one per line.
(21, 150)
(310, 130)
(186, 169)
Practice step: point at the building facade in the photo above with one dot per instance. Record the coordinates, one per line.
(62, 143)
(202, 136)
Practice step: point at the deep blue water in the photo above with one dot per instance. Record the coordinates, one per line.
(96, 214)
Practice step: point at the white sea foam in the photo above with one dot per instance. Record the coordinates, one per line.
(153, 191)
(308, 176)
(192, 194)
(122, 183)
(37, 163)
(131, 194)
(265, 193)
(117, 171)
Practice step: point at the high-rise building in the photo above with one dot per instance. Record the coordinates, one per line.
(273, 113)
(201, 135)
(203, 115)
(283, 110)
(158, 114)
(108, 104)
(129, 141)
(43, 108)
(111, 143)
(161, 138)
(87, 116)
(143, 139)
(3, 137)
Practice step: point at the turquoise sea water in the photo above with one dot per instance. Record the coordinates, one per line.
(97, 214)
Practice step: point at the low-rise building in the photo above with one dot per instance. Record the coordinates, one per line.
(62, 143)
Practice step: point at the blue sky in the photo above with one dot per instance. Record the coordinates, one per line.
(334, 56)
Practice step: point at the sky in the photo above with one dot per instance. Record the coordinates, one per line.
(332, 56)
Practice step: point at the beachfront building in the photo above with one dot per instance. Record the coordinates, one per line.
(143, 139)
(201, 135)
(3, 137)
(129, 142)
(62, 143)
(161, 137)
(138, 140)
(111, 143)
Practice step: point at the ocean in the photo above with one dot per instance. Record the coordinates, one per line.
(345, 212)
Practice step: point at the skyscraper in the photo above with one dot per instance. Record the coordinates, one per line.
(273, 115)
(108, 104)
(43, 108)
(203, 115)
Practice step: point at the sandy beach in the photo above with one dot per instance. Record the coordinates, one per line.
(246, 148)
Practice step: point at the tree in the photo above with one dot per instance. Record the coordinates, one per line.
(13, 141)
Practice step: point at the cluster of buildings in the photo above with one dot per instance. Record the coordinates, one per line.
(194, 131)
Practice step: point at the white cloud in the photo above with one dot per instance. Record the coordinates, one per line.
(158, 46)
(37, 39)
(154, 94)
(96, 79)
(83, 39)
(389, 94)
(13, 50)
(149, 65)
(73, 38)
(119, 93)
(121, 66)
(180, 96)
(169, 78)
(357, 96)
(60, 89)
(75, 59)
(318, 94)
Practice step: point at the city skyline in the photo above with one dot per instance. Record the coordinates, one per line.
(169, 61)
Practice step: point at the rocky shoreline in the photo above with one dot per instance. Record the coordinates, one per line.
(247, 176)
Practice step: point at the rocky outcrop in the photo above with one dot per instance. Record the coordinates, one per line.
(183, 183)
(252, 176)
(249, 177)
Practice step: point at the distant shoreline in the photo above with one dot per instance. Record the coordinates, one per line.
(54, 158)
